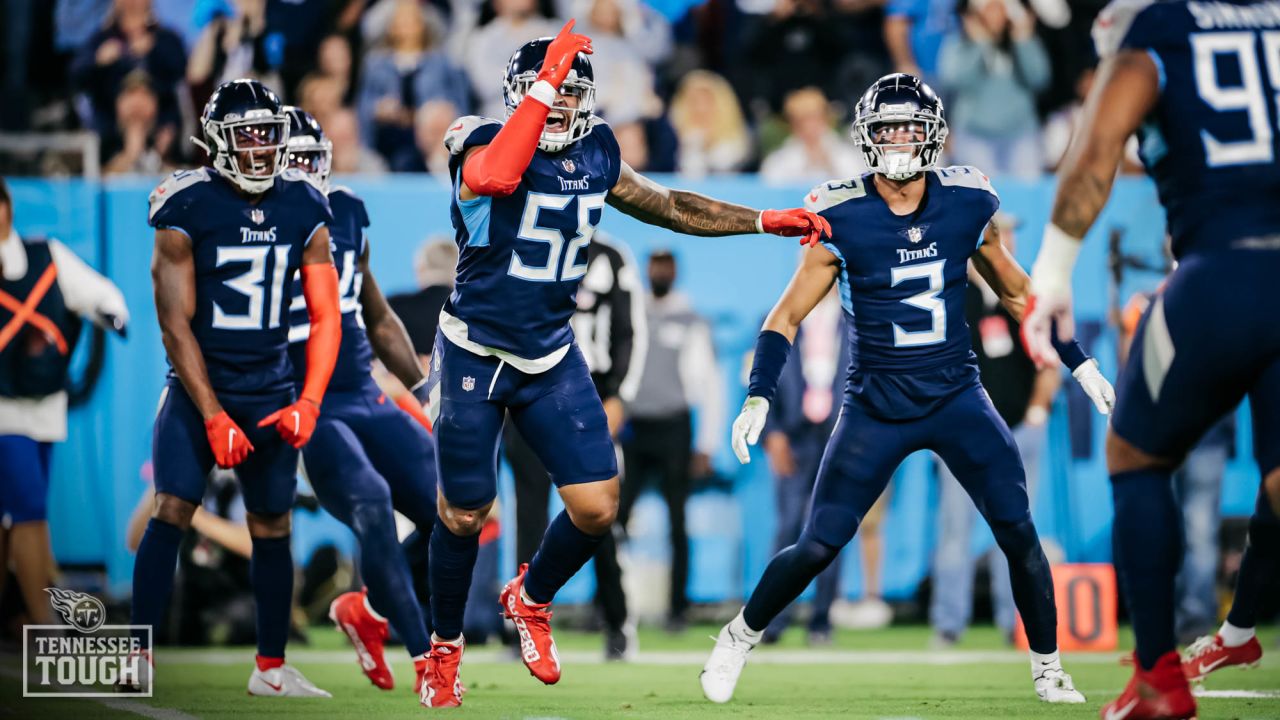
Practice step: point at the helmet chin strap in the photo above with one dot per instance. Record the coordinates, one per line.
(898, 165)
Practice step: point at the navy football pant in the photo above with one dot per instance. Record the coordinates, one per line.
(368, 456)
(24, 478)
(1203, 345)
(860, 458)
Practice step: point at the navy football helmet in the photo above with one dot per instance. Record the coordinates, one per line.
(899, 99)
(522, 72)
(245, 133)
(308, 149)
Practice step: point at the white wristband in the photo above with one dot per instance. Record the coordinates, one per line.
(543, 92)
(1051, 273)
(1036, 415)
(760, 222)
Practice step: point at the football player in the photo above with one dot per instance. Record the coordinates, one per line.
(1198, 82)
(902, 238)
(367, 456)
(528, 194)
(229, 237)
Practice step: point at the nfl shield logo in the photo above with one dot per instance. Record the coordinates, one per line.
(468, 383)
(915, 234)
(257, 216)
(568, 165)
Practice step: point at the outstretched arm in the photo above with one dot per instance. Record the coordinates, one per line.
(1127, 89)
(812, 281)
(694, 214)
(387, 335)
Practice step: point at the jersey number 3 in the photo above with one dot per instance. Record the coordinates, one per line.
(927, 300)
(558, 252)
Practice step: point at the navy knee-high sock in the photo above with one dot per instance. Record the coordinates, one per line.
(563, 552)
(417, 553)
(1147, 548)
(271, 573)
(1031, 581)
(387, 574)
(788, 574)
(153, 570)
(1260, 563)
(453, 558)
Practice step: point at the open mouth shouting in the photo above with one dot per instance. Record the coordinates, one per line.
(558, 120)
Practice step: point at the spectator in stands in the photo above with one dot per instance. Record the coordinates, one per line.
(233, 45)
(431, 121)
(864, 58)
(406, 71)
(132, 40)
(1061, 126)
(645, 31)
(295, 29)
(679, 376)
(485, 52)
(814, 152)
(624, 82)
(709, 127)
(796, 45)
(51, 289)
(992, 69)
(321, 96)
(333, 60)
(144, 146)
(913, 32)
(349, 155)
(1023, 396)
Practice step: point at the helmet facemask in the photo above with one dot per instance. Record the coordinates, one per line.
(248, 151)
(900, 160)
(312, 157)
(575, 121)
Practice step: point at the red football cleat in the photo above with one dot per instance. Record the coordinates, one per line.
(533, 623)
(1161, 693)
(368, 634)
(1209, 654)
(441, 686)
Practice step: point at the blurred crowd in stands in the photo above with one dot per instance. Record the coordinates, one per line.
(720, 86)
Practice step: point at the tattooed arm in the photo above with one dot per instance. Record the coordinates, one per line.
(686, 212)
(1127, 89)
(694, 214)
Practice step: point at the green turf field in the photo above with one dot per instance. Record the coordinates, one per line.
(882, 674)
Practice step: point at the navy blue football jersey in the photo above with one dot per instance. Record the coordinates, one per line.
(1211, 144)
(902, 283)
(347, 241)
(246, 254)
(521, 257)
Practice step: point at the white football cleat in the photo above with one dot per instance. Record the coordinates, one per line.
(720, 675)
(1054, 685)
(283, 681)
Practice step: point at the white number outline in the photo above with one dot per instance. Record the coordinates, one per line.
(561, 256)
(927, 300)
(249, 284)
(1248, 96)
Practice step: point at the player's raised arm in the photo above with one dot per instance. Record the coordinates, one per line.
(694, 214)
(1007, 278)
(173, 275)
(811, 282)
(1127, 88)
(390, 341)
(296, 422)
(496, 168)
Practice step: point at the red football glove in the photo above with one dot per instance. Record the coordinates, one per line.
(796, 222)
(229, 443)
(295, 422)
(560, 54)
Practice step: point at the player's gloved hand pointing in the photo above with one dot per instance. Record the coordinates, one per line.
(229, 443)
(1095, 386)
(747, 427)
(295, 422)
(560, 54)
(795, 222)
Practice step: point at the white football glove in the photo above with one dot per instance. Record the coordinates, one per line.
(1095, 386)
(1050, 296)
(747, 427)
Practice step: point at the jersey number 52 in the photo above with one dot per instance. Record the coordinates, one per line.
(561, 256)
